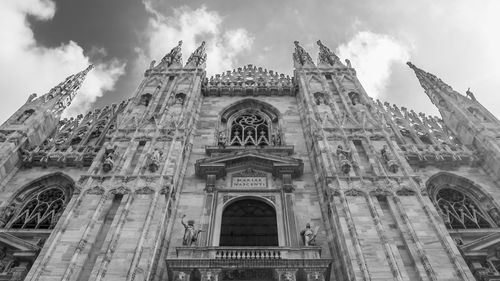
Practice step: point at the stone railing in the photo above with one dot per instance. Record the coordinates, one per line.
(250, 253)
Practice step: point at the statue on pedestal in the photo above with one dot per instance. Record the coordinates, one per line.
(190, 234)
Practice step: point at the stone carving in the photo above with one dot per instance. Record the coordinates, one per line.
(155, 160)
(388, 159)
(288, 276)
(120, 190)
(405, 191)
(109, 158)
(309, 235)
(343, 156)
(348, 63)
(276, 139)
(145, 190)
(326, 56)
(470, 95)
(198, 57)
(221, 139)
(31, 97)
(180, 276)
(315, 276)
(6, 214)
(248, 79)
(301, 56)
(190, 234)
(175, 56)
(353, 192)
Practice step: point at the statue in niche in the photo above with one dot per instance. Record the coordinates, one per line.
(180, 276)
(155, 160)
(309, 235)
(6, 214)
(343, 156)
(109, 158)
(190, 234)
(389, 160)
(276, 139)
(221, 139)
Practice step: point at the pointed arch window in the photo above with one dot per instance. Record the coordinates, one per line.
(40, 205)
(460, 211)
(42, 210)
(250, 127)
(460, 202)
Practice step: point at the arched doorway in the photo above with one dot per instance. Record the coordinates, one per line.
(249, 222)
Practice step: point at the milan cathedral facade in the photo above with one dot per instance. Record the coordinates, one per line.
(250, 175)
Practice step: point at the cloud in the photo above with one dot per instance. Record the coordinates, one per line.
(28, 67)
(372, 55)
(192, 27)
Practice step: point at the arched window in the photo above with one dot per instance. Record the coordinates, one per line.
(460, 202)
(249, 222)
(249, 127)
(459, 211)
(40, 205)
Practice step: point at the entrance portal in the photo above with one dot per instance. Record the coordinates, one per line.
(249, 222)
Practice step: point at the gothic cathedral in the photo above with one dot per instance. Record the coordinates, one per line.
(250, 175)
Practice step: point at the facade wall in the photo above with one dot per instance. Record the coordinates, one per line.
(364, 175)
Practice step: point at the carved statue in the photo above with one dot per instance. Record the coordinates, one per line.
(198, 57)
(109, 155)
(300, 55)
(325, 55)
(288, 276)
(343, 157)
(389, 160)
(174, 56)
(221, 139)
(276, 139)
(152, 64)
(6, 214)
(470, 95)
(180, 276)
(309, 236)
(155, 160)
(190, 234)
(348, 62)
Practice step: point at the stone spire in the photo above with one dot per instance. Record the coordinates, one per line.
(198, 57)
(301, 57)
(326, 56)
(174, 57)
(441, 94)
(63, 94)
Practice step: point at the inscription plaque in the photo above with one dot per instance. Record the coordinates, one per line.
(249, 179)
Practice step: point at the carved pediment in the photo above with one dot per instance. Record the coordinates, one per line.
(277, 165)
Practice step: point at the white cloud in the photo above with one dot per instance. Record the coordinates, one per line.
(193, 26)
(28, 67)
(372, 55)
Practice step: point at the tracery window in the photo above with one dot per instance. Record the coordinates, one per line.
(459, 211)
(250, 127)
(42, 210)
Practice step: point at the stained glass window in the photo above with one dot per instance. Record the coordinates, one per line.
(459, 211)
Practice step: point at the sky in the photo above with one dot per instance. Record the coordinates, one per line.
(44, 41)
